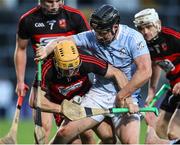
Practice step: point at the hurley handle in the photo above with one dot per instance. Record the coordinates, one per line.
(158, 95)
(144, 109)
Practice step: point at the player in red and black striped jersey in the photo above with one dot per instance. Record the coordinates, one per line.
(67, 76)
(165, 53)
(49, 20)
(164, 47)
(59, 86)
(41, 24)
(41, 27)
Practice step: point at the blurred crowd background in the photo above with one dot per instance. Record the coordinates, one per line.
(11, 10)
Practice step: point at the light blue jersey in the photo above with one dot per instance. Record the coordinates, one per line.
(121, 52)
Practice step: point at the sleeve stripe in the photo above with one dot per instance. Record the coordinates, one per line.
(29, 12)
(175, 81)
(94, 60)
(78, 12)
(171, 32)
(38, 36)
(170, 57)
(45, 69)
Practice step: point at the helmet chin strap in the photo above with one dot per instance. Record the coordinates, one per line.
(104, 43)
(114, 35)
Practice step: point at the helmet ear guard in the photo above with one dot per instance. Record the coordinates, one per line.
(66, 57)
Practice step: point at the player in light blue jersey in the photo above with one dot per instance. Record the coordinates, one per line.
(124, 48)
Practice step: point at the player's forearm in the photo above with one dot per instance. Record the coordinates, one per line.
(152, 88)
(51, 108)
(121, 79)
(20, 59)
(141, 76)
(52, 44)
(48, 106)
(116, 74)
(153, 82)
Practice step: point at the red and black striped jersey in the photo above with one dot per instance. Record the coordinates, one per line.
(165, 51)
(37, 27)
(41, 29)
(58, 88)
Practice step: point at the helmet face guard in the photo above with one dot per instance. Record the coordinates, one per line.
(67, 73)
(66, 58)
(99, 25)
(105, 37)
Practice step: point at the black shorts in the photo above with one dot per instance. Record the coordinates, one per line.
(170, 102)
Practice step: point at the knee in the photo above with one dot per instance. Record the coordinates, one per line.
(108, 139)
(172, 135)
(88, 137)
(173, 131)
(63, 132)
(129, 139)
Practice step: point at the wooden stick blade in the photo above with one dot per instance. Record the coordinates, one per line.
(75, 112)
(9, 139)
(39, 134)
(72, 111)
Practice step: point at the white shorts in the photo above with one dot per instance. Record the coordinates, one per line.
(96, 98)
(116, 120)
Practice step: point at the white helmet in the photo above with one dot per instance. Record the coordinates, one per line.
(146, 16)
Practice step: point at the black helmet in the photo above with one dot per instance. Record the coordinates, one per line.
(104, 17)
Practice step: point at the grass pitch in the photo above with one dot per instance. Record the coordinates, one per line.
(26, 128)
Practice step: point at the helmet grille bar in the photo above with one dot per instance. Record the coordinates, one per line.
(66, 55)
